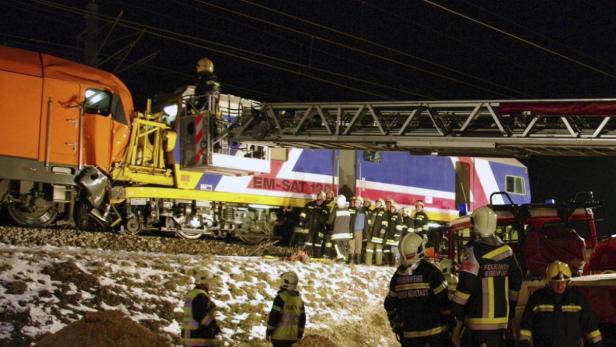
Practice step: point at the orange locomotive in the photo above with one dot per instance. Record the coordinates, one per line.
(58, 117)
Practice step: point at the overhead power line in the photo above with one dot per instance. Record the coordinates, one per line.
(381, 46)
(515, 37)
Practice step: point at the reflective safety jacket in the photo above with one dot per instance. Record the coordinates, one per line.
(417, 304)
(420, 222)
(379, 225)
(340, 220)
(559, 320)
(489, 284)
(395, 226)
(287, 319)
(313, 217)
(199, 327)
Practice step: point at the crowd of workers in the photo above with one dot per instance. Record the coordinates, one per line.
(421, 313)
(331, 228)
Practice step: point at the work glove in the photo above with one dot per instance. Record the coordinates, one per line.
(456, 334)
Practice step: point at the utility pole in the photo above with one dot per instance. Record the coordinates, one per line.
(90, 47)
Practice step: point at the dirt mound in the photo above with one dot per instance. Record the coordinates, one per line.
(104, 328)
(315, 341)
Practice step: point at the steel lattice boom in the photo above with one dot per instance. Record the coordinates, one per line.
(574, 127)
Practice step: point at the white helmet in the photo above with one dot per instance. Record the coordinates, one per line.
(411, 249)
(289, 280)
(341, 201)
(360, 200)
(203, 277)
(407, 211)
(484, 221)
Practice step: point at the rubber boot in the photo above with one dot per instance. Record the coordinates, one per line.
(356, 259)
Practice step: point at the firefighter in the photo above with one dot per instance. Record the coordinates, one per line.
(420, 218)
(488, 287)
(558, 315)
(327, 241)
(358, 228)
(340, 220)
(312, 220)
(287, 319)
(199, 327)
(393, 234)
(377, 232)
(408, 221)
(417, 304)
(207, 85)
(369, 211)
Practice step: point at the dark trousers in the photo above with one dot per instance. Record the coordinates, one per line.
(438, 340)
(314, 244)
(486, 338)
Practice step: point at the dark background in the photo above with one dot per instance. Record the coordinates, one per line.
(343, 50)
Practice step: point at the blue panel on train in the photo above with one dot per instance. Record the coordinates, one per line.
(315, 161)
(401, 168)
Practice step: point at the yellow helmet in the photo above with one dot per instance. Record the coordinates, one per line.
(484, 221)
(205, 65)
(411, 249)
(558, 271)
(203, 277)
(289, 280)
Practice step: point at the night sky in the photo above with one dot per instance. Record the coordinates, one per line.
(343, 50)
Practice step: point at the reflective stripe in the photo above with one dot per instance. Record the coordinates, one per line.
(369, 251)
(309, 244)
(302, 231)
(422, 333)
(320, 234)
(571, 308)
(526, 334)
(342, 236)
(376, 240)
(410, 286)
(399, 227)
(460, 297)
(491, 297)
(543, 308)
(499, 253)
(392, 242)
(303, 214)
(392, 294)
(440, 288)
(276, 308)
(486, 323)
(594, 336)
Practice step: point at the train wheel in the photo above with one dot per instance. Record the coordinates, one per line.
(33, 211)
(188, 234)
(133, 227)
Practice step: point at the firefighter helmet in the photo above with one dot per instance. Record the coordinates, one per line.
(558, 271)
(380, 201)
(341, 201)
(406, 211)
(411, 249)
(320, 194)
(289, 280)
(205, 65)
(203, 277)
(360, 199)
(484, 221)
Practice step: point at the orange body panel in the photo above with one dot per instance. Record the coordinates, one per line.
(42, 94)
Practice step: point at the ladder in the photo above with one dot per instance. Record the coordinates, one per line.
(505, 128)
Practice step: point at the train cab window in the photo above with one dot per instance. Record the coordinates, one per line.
(97, 102)
(117, 109)
(515, 185)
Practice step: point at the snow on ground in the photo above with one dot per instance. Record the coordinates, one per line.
(44, 288)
